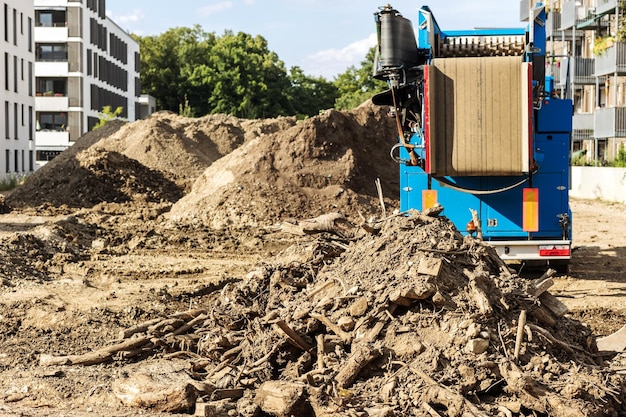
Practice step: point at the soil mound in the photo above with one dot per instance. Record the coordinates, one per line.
(55, 182)
(148, 160)
(181, 147)
(326, 163)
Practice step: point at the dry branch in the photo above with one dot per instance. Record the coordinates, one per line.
(360, 357)
(97, 356)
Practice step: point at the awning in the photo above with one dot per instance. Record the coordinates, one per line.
(593, 23)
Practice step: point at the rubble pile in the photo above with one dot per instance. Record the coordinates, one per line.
(412, 319)
(397, 316)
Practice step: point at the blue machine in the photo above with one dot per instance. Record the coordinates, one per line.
(481, 131)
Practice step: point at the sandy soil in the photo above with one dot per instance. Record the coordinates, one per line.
(110, 235)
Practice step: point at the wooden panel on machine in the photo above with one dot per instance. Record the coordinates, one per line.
(478, 116)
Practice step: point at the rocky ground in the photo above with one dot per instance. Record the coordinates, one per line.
(156, 268)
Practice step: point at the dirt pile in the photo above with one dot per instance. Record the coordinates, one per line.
(150, 160)
(181, 147)
(410, 320)
(63, 181)
(326, 163)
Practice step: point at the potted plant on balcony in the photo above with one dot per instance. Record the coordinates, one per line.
(601, 44)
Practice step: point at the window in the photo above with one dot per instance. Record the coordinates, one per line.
(50, 18)
(23, 120)
(54, 52)
(21, 23)
(7, 159)
(30, 79)
(15, 74)
(22, 162)
(15, 124)
(89, 62)
(6, 71)
(7, 129)
(22, 68)
(6, 22)
(31, 162)
(15, 159)
(14, 27)
(47, 155)
(51, 87)
(30, 34)
(30, 124)
(51, 121)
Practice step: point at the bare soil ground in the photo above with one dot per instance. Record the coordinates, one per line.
(139, 222)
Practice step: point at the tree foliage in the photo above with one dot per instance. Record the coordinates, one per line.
(234, 74)
(108, 114)
(195, 72)
(357, 85)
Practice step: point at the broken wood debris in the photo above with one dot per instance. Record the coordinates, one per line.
(410, 320)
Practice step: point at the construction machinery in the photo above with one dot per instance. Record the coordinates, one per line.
(481, 131)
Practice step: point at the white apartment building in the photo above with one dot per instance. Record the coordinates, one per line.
(18, 96)
(84, 62)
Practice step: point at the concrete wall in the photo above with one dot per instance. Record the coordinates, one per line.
(608, 184)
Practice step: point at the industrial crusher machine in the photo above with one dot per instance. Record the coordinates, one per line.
(481, 130)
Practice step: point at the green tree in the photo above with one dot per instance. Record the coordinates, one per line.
(164, 62)
(308, 95)
(356, 85)
(107, 115)
(244, 78)
(234, 73)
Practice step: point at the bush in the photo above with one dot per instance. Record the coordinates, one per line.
(11, 181)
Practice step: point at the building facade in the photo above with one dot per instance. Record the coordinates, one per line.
(84, 62)
(587, 57)
(18, 94)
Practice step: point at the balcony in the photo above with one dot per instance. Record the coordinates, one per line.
(553, 25)
(583, 127)
(573, 15)
(605, 6)
(610, 122)
(52, 140)
(612, 61)
(52, 103)
(51, 69)
(51, 33)
(524, 10)
(581, 70)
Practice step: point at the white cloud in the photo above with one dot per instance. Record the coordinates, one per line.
(330, 62)
(134, 17)
(215, 8)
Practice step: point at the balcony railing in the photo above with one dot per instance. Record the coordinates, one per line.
(573, 14)
(612, 61)
(553, 25)
(51, 24)
(582, 126)
(603, 6)
(581, 70)
(610, 122)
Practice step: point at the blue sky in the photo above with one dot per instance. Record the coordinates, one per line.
(323, 37)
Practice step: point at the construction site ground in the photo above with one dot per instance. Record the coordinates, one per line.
(76, 275)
